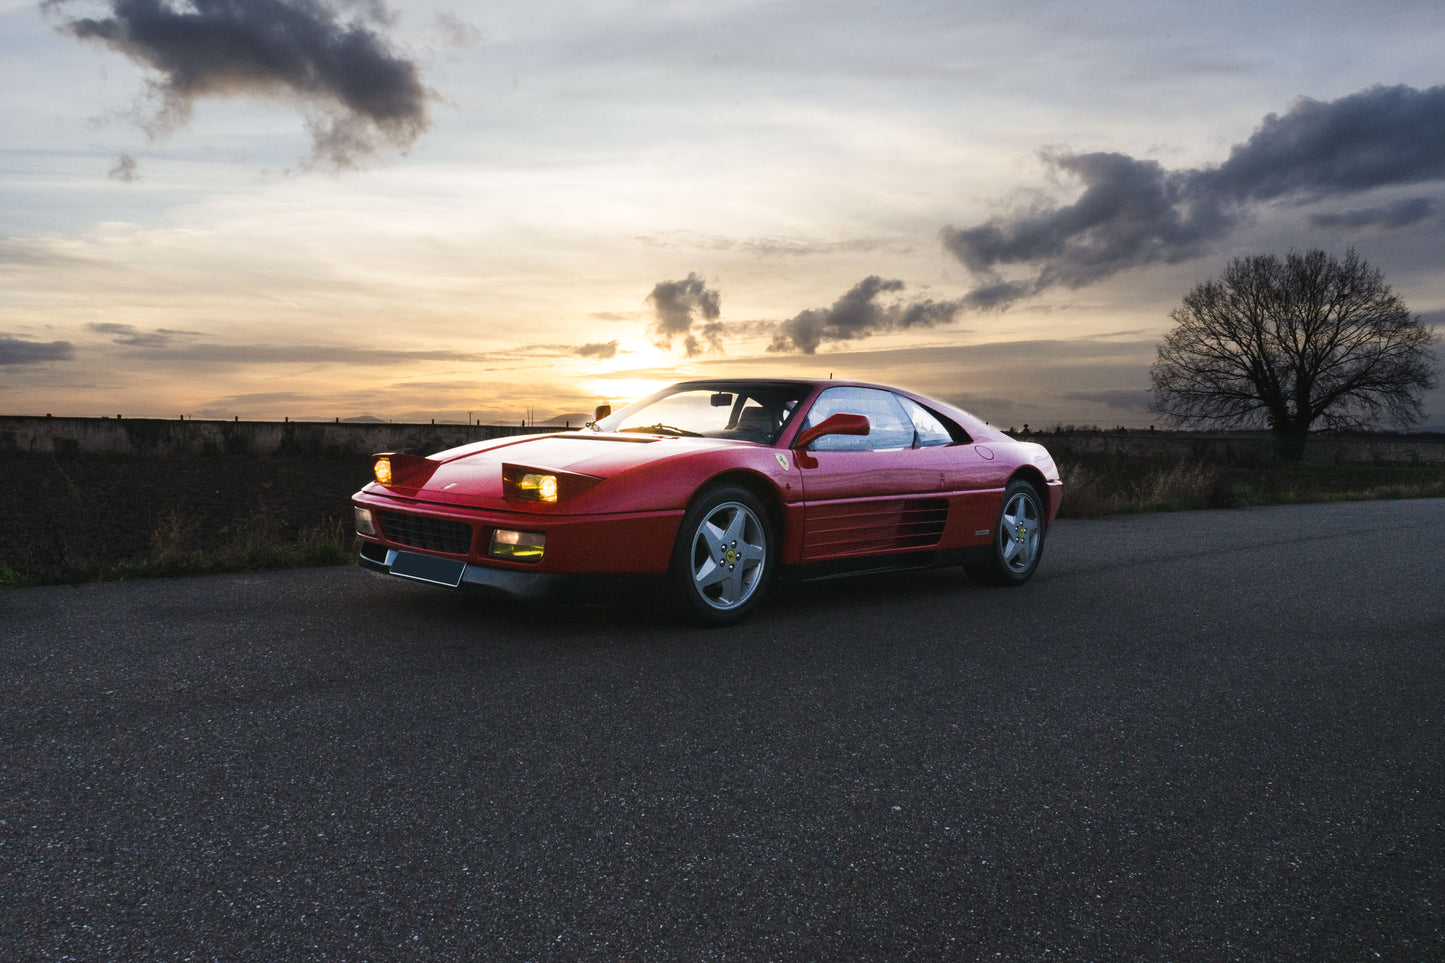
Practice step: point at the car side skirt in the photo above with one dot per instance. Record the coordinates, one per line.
(881, 564)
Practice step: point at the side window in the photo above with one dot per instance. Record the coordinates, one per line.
(930, 430)
(889, 425)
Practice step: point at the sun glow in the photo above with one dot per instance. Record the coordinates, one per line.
(620, 391)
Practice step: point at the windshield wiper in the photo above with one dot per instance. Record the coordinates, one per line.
(664, 430)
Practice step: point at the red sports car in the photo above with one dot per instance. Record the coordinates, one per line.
(718, 487)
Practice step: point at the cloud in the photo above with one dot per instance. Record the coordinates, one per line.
(14, 351)
(162, 349)
(1389, 217)
(858, 314)
(41, 253)
(677, 307)
(132, 337)
(524, 352)
(1133, 212)
(195, 351)
(600, 350)
(125, 169)
(457, 32)
(770, 246)
(356, 92)
(1127, 399)
(854, 315)
(1374, 138)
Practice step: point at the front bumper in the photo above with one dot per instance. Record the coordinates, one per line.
(519, 586)
(626, 542)
(526, 586)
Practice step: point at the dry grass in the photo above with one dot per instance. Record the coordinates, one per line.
(175, 551)
(1099, 486)
(1096, 485)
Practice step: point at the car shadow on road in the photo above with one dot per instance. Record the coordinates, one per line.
(644, 610)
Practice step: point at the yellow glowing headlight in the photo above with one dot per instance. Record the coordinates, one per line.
(544, 485)
(540, 485)
(533, 485)
(382, 468)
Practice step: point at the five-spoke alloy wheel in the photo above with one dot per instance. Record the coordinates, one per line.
(1018, 542)
(724, 555)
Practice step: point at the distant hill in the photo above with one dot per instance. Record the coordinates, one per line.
(574, 419)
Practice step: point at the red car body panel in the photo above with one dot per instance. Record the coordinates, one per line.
(630, 492)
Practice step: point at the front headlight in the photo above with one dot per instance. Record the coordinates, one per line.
(365, 524)
(541, 485)
(382, 469)
(535, 485)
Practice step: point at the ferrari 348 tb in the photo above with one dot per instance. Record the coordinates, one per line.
(718, 488)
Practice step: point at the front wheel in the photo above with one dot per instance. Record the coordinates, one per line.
(1018, 541)
(723, 558)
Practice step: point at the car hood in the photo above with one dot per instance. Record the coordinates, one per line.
(472, 474)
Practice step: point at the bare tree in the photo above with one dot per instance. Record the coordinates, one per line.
(1289, 344)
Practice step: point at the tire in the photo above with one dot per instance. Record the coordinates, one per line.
(724, 556)
(1018, 539)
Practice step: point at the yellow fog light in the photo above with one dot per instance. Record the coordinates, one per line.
(365, 524)
(382, 468)
(518, 546)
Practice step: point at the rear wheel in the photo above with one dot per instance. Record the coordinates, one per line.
(1018, 539)
(723, 558)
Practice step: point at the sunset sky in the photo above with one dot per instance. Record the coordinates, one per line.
(412, 209)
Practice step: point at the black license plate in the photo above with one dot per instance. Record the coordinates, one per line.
(425, 568)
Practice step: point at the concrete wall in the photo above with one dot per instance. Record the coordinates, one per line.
(156, 437)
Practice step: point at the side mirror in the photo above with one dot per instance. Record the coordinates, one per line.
(839, 424)
(601, 411)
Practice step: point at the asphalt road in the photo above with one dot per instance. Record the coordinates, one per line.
(1200, 736)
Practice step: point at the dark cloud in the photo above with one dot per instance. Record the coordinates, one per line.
(1127, 399)
(241, 355)
(192, 348)
(1130, 212)
(133, 337)
(600, 350)
(1374, 138)
(1388, 217)
(858, 314)
(686, 310)
(125, 169)
(998, 295)
(357, 93)
(1134, 212)
(14, 351)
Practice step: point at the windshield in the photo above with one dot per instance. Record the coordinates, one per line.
(743, 412)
